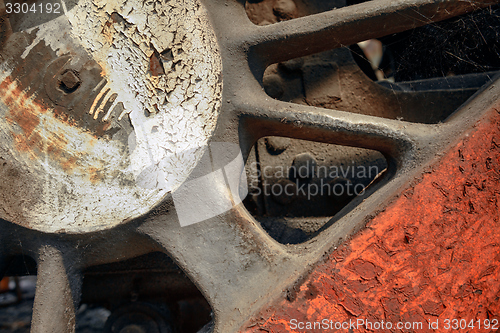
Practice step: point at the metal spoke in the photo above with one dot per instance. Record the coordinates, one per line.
(269, 117)
(58, 291)
(234, 263)
(349, 25)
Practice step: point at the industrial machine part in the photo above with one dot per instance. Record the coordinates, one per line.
(106, 108)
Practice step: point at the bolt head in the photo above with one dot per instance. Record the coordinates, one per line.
(70, 80)
(304, 166)
(276, 145)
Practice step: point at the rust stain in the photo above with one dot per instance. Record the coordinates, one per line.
(33, 143)
(95, 175)
(21, 113)
(69, 164)
(155, 67)
(60, 113)
(108, 31)
(25, 114)
(32, 138)
(414, 263)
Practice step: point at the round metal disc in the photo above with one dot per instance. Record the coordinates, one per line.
(104, 109)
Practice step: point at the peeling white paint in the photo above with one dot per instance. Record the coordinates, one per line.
(183, 105)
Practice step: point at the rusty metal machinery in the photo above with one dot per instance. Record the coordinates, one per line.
(106, 108)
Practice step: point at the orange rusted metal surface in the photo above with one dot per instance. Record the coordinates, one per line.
(433, 254)
(24, 113)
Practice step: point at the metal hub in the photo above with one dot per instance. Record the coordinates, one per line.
(128, 96)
